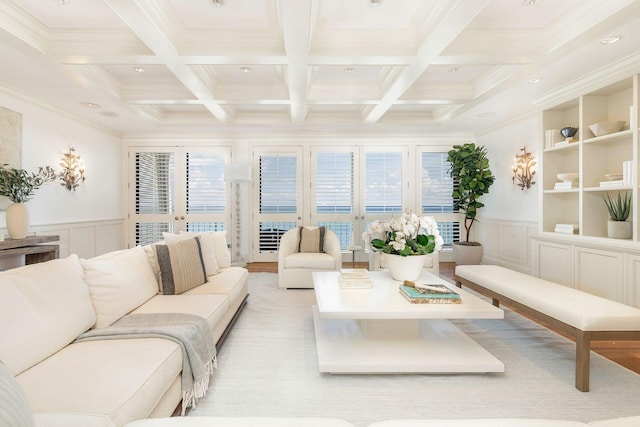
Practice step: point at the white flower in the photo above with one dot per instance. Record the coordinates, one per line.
(400, 234)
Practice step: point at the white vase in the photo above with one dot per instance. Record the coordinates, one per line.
(467, 254)
(17, 220)
(619, 229)
(405, 267)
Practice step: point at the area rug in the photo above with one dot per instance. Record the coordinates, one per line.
(268, 367)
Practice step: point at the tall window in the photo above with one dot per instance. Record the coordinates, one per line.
(383, 188)
(437, 187)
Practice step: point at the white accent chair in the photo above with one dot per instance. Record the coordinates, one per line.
(431, 264)
(295, 268)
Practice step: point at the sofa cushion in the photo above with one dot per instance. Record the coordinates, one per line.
(242, 422)
(211, 307)
(43, 307)
(223, 256)
(502, 422)
(67, 419)
(231, 281)
(119, 282)
(310, 261)
(181, 266)
(15, 409)
(207, 247)
(618, 422)
(123, 379)
(311, 239)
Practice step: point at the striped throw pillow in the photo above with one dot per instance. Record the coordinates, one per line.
(181, 266)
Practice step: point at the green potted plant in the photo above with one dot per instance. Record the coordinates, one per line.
(472, 177)
(19, 186)
(618, 227)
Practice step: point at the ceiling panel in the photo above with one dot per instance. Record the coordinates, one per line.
(71, 14)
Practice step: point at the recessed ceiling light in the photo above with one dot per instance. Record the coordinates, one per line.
(375, 3)
(89, 105)
(63, 2)
(140, 69)
(218, 2)
(348, 70)
(535, 80)
(530, 2)
(611, 39)
(453, 69)
(245, 69)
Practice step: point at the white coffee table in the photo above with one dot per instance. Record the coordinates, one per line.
(377, 330)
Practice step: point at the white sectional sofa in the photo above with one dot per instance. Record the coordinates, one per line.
(45, 307)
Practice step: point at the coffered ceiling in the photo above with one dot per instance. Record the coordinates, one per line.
(396, 66)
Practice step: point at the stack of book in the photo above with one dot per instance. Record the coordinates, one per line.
(567, 228)
(430, 294)
(354, 278)
(565, 185)
(615, 183)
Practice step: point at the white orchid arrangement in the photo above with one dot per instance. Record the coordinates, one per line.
(405, 235)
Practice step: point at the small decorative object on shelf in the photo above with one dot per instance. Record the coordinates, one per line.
(605, 128)
(568, 132)
(618, 227)
(406, 236)
(523, 172)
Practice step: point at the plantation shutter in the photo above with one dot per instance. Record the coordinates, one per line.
(206, 190)
(437, 186)
(383, 188)
(154, 193)
(334, 182)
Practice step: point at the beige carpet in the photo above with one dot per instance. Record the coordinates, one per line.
(268, 367)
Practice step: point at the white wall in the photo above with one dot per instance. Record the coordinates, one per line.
(46, 136)
(510, 214)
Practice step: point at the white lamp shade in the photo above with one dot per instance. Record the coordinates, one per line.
(237, 173)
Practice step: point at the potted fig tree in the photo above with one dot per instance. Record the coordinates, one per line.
(472, 179)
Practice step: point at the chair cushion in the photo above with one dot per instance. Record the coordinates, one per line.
(15, 409)
(311, 239)
(181, 265)
(207, 246)
(315, 261)
(43, 307)
(119, 282)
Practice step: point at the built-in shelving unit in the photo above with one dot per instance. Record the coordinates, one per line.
(588, 259)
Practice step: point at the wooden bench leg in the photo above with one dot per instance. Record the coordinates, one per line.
(583, 353)
(459, 284)
(495, 302)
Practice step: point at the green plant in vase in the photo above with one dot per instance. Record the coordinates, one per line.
(619, 209)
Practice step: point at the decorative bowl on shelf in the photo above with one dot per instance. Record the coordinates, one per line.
(605, 128)
(568, 177)
(568, 131)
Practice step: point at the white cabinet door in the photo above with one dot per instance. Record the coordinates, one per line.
(600, 273)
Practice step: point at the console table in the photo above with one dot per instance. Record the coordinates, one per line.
(32, 248)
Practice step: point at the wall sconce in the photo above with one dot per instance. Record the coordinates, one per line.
(72, 170)
(523, 169)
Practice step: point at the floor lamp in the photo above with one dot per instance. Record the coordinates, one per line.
(237, 174)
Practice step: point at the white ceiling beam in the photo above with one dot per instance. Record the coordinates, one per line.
(449, 27)
(296, 24)
(155, 35)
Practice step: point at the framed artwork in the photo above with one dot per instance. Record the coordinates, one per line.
(10, 138)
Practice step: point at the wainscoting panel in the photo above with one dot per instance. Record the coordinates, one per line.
(600, 273)
(633, 280)
(552, 261)
(506, 243)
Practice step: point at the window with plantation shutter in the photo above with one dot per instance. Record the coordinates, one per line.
(206, 189)
(176, 189)
(437, 186)
(277, 198)
(383, 187)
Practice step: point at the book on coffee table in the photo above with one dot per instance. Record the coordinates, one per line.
(354, 278)
(435, 294)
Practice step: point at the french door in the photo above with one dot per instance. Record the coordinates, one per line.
(176, 188)
(277, 198)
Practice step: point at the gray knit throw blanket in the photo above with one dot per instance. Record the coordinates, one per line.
(191, 332)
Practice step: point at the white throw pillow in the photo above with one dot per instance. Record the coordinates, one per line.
(206, 244)
(223, 256)
(43, 308)
(119, 282)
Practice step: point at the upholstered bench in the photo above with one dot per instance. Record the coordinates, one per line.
(584, 316)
